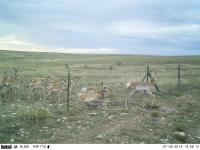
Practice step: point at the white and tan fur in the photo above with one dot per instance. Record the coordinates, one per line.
(10, 79)
(146, 87)
(37, 83)
(56, 88)
(47, 86)
(92, 94)
(10, 82)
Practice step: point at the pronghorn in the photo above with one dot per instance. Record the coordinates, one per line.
(92, 95)
(10, 79)
(37, 82)
(38, 85)
(51, 78)
(134, 86)
(56, 88)
(10, 83)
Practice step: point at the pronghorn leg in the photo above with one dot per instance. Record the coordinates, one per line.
(40, 94)
(47, 95)
(104, 104)
(80, 98)
(30, 93)
(145, 91)
(130, 95)
(150, 93)
(133, 93)
(126, 103)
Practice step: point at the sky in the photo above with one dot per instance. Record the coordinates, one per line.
(149, 27)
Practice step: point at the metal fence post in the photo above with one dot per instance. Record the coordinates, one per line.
(179, 74)
(68, 90)
(147, 73)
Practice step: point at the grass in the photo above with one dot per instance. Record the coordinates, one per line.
(180, 127)
(147, 120)
(33, 113)
(155, 114)
(127, 132)
(152, 104)
(111, 96)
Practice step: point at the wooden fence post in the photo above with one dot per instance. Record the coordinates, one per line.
(179, 74)
(148, 74)
(68, 90)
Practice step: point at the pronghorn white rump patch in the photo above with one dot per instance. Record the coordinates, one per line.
(128, 85)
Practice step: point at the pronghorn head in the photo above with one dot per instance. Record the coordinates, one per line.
(106, 89)
(84, 89)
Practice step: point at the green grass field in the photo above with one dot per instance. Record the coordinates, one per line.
(27, 117)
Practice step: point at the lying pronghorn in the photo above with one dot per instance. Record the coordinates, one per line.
(134, 86)
(92, 95)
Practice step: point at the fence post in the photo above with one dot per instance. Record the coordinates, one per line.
(179, 74)
(147, 73)
(68, 86)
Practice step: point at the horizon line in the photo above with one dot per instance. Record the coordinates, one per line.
(135, 54)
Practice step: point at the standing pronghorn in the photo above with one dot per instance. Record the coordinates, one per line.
(141, 86)
(146, 87)
(56, 88)
(37, 85)
(10, 82)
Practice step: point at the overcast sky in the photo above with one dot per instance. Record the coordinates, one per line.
(157, 27)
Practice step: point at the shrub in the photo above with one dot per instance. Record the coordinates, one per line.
(179, 127)
(111, 95)
(111, 67)
(152, 104)
(33, 113)
(155, 114)
(177, 94)
(119, 63)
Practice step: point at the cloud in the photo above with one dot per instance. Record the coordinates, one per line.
(122, 26)
(89, 50)
(153, 37)
(142, 28)
(12, 43)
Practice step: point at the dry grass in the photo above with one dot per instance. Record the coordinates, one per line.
(146, 121)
